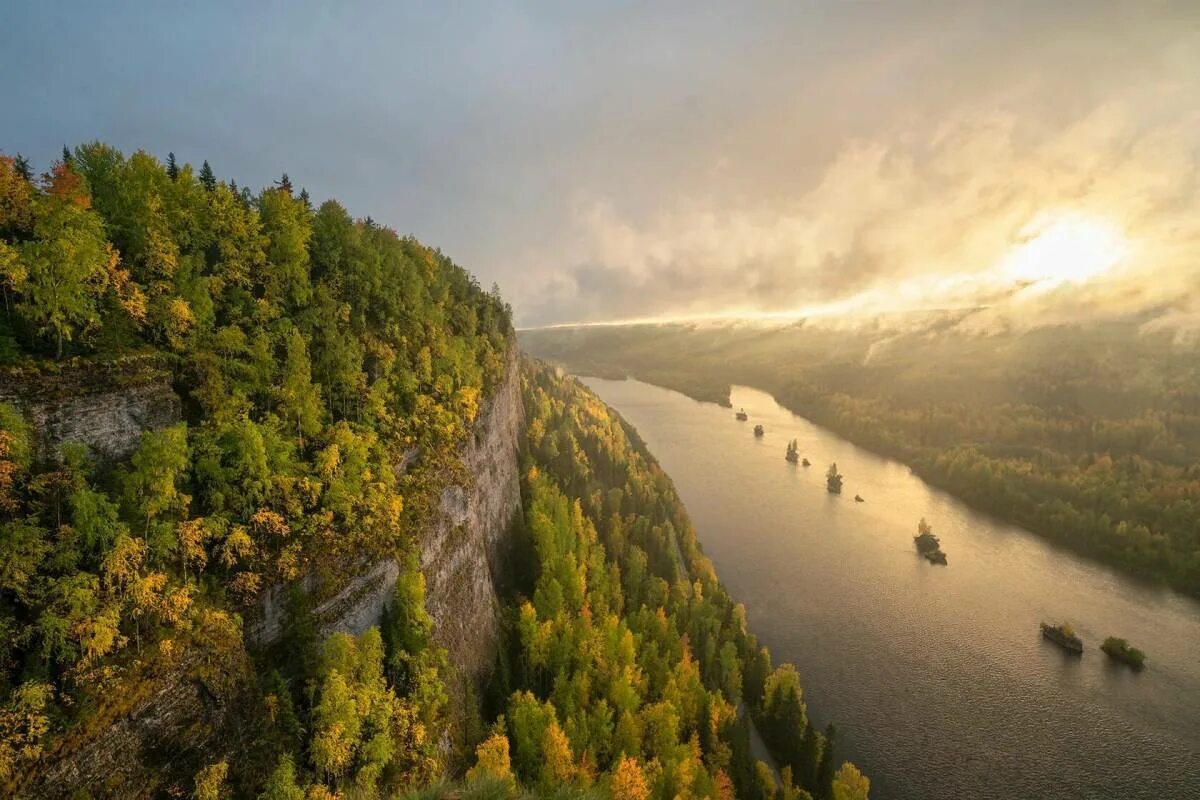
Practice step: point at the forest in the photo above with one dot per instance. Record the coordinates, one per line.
(1087, 435)
(313, 352)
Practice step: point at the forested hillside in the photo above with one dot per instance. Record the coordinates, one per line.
(629, 665)
(314, 353)
(1088, 435)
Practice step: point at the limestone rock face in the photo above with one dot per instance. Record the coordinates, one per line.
(462, 548)
(105, 407)
(154, 730)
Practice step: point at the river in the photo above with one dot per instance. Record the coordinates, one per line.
(937, 678)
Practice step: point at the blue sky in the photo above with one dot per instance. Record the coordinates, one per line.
(539, 144)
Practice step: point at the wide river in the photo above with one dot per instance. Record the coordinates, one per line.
(937, 678)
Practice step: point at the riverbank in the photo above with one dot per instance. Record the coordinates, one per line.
(942, 468)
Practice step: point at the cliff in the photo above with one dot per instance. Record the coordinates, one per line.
(157, 724)
(461, 548)
(140, 744)
(104, 405)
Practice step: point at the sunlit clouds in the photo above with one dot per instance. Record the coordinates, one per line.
(1064, 248)
(1099, 217)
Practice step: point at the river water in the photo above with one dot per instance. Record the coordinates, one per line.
(937, 678)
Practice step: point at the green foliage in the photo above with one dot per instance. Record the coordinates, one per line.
(850, 784)
(64, 271)
(312, 352)
(281, 785)
(784, 716)
(1122, 651)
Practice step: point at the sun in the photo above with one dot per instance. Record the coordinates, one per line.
(1065, 248)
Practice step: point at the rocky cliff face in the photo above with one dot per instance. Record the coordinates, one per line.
(176, 723)
(150, 734)
(461, 549)
(105, 407)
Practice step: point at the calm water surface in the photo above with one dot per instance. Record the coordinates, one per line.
(937, 677)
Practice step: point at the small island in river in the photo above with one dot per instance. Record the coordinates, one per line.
(792, 454)
(1064, 636)
(758, 430)
(742, 415)
(833, 479)
(929, 545)
(1121, 650)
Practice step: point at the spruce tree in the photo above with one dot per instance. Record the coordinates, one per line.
(172, 167)
(23, 167)
(207, 179)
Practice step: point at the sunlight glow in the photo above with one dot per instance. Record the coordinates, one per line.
(1065, 248)
(1055, 249)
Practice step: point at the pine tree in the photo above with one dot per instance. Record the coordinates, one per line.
(285, 183)
(833, 479)
(207, 179)
(68, 160)
(23, 167)
(304, 198)
(172, 167)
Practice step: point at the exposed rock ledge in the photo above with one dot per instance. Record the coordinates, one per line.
(103, 405)
(461, 549)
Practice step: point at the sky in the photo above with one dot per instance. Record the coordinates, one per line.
(612, 161)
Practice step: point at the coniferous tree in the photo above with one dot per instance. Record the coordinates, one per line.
(285, 183)
(833, 479)
(23, 167)
(207, 179)
(68, 159)
(172, 168)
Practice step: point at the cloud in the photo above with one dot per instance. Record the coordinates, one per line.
(922, 217)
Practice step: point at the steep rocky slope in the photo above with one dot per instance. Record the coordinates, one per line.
(178, 716)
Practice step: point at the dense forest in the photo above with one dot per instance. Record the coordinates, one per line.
(1088, 435)
(628, 659)
(314, 353)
